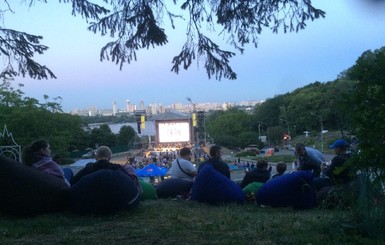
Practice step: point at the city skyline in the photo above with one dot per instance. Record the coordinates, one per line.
(280, 64)
(157, 108)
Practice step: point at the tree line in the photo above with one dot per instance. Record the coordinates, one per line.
(28, 119)
(290, 114)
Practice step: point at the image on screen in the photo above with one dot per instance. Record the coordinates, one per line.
(174, 132)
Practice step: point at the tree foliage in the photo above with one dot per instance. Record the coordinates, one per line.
(136, 25)
(368, 104)
(294, 109)
(232, 128)
(127, 135)
(102, 136)
(28, 120)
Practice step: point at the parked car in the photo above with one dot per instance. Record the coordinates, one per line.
(252, 148)
(90, 154)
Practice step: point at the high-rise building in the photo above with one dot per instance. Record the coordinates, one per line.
(128, 106)
(141, 105)
(114, 109)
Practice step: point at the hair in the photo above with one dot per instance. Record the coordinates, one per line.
(281, 167)
(214, 150)
(28, 156)
(103, 152)
(185, 151)
(262, 164)
(299, 146)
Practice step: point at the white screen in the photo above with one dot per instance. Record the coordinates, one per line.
(174, 132)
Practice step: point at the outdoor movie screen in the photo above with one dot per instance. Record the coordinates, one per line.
(174, 132)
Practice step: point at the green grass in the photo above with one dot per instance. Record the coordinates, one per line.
(185, 222)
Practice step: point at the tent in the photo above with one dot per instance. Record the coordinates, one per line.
(151, 170)
(82, 162)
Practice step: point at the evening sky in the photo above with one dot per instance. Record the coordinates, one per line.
(280, 64)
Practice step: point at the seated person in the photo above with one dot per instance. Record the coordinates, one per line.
(259, 174)
(181, 167)
(216, 162)
(103, 156)
(37, 155)
(309, 159)
(281, 169)
(335, 174)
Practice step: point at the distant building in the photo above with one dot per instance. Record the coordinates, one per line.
(114, 108)
(154, 108)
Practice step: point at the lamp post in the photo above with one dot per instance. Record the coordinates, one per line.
(259, 128)
(195, 137)
(286, 123)
(322, 130)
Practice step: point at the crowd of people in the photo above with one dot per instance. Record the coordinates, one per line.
(37, 155)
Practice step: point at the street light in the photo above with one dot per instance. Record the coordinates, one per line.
(322, 130)
(192, 103)
(259, 128)
(286, 123)
(195, 134)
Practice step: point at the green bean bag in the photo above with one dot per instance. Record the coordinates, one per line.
(251, 190)
(27, 191)
(149, 192)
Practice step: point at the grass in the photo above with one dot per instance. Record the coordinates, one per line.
(185, 222)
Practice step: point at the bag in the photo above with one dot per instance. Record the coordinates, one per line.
(177, 160)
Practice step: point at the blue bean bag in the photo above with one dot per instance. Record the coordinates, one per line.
(103, 192)
(212, 187)
(290, 190)
(170, 188)
(27, 191)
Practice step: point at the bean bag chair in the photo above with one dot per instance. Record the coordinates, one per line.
(27, 191)
(103, 192)
(68, 174)
(212, 187)
(251, 190)
(170, 188)
(149, 192)
(290, 190)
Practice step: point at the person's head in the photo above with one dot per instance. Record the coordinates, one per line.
(281, 167)
(339, 146)
(300, 149)
(103, 153)
(185, 152)
(216, 151)
(30, 152)
(262, 164)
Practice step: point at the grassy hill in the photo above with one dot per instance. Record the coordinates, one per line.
(187, 222)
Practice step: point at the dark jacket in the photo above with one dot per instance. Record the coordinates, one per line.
(255, 175)
(93, 167)
(218, 165)
(337, 162)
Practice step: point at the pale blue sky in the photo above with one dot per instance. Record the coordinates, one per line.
(280, 64)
